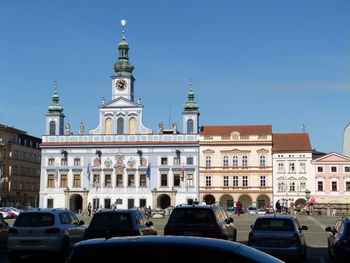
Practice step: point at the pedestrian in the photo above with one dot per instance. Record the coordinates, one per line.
(238, 207)
(195, 202)
(312, 201)
(334, 212)
(89, 209)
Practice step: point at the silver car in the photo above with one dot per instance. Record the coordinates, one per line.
(44, 230)
(280, 236)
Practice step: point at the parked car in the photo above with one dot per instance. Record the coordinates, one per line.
(280, 236)
(10, 209)
(166, 249)
(252, 210)
(4, 227)
(3, 214)
(202, 221)
(339, 240)
(261, 211)
(44, 230)
(116, 223)
(231, 211)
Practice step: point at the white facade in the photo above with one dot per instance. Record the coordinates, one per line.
(292, 175)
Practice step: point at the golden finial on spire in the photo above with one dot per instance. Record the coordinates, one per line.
(123, 22)
(190, 84)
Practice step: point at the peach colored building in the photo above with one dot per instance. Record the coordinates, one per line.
(332, 178)
(236, 164)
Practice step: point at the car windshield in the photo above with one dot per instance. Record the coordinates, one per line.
(115, 220)
(273, 224)
(190, 216)
(252, 208)
(34, 220)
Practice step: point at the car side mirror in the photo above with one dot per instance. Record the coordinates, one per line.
(231, 220)
(328, 229)
(149, 223)
(81, 222)
(304, 228)
(251, 226)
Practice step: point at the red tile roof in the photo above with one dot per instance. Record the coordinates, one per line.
(243, 130)
(291, 142)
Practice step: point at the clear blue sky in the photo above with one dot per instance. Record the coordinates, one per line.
(274, 62)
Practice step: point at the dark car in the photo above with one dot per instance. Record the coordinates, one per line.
(166, 249)
(201, 221)
(4, 227)
(339, 240)
(280, 236)
(116, 223)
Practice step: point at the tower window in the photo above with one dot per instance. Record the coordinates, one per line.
(120, 126)
(108, 126)
(52, 128)
(190, 126)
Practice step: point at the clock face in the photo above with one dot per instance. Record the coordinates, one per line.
(121, 84)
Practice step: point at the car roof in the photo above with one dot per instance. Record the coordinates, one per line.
(125, 211)
(198, 206)
(173, 242)
(276, 216)
(45, 210)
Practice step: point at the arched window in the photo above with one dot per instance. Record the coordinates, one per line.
(225, 160)
(52, 128)
(190, 126)
(132, 125)
(208, 161)
(244, 160)
(235, 161)
(108, 126)
(120, 126)
(262, 161)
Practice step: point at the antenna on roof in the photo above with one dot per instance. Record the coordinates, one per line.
(302, 128)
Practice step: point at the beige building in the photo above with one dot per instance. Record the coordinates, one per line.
(19, 168)
(236, 164)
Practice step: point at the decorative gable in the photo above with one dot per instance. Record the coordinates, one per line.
(121, 102)
(208, 151)
(333, 157)
(262, 151)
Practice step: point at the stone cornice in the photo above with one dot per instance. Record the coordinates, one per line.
(226, 143)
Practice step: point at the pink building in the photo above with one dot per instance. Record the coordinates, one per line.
(332, 178)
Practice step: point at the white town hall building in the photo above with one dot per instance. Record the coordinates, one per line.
(121, 161)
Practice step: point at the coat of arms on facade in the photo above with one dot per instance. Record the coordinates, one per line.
(131, 163)
(120, 159)
(143, 161)
(108, 163)
(97, 162)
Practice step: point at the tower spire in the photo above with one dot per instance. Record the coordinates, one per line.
(191, 105)
(123, 67)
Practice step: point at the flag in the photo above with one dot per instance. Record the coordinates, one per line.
(88, 172)
(182, 174)
(148, 172)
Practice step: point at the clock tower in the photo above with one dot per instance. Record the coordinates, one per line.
(122, 79)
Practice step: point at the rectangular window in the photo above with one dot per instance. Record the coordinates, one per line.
(190, 160)
(143, 203)
(108, 180)
(143, 181)
(164, 180)
(319, 186)
(64, 161)
(50, 203)
(263, 180)
(302, 168)
(15, 169)
(320, 169)
(63, 180)
(235, 180)
(76, 161)
(164, 161)
(347, 186)
(95, 203)
(207, 161)
(131, 180)
(176, 179)
(280, 168)
(208, 181)
(76, 180)
(51, 161)
(302, 186)
(245, 180)
(225, 180)
(189, 180)
(96, 181)
(50, 180)
(333, 169)
(292, 187)
(280, 187)
(291, 168)
(347, 169)
(334, 186)
(107, 203)
(119, 182)
(34, 172)
(176, 160)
